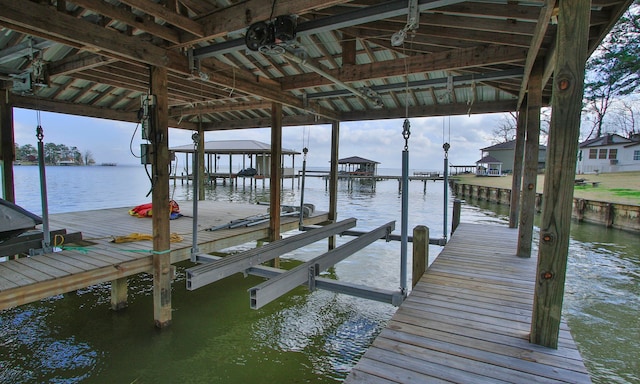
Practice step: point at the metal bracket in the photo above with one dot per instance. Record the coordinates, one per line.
(313, 273)
(268, 291)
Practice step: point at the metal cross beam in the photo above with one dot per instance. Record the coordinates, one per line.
(268, 291)
(370, 293)
(204, 274)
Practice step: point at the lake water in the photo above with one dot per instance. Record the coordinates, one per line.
(303, 337)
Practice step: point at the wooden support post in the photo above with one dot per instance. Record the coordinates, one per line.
(160, 199)
(518, 156)
(119, 294)
(7, 151)
(333, 178)
(200, 155)
(455, 221)
(555, 223)
(530, 175)
(276, 174)
(420, 253)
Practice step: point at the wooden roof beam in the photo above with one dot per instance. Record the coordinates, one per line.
(431, 110)
(449, 60)
(129, 18)
(39, 20)
(76, 63)
(544, 20)
(158, 11)
(265, 122)
(218, 108)
(30, 102)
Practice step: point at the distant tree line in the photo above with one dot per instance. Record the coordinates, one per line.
(54, 154)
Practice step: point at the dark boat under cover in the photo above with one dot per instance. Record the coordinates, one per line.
(14, 220)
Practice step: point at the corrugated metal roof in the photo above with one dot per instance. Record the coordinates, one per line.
(454, 39)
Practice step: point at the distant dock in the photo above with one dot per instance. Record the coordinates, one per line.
(365, 177)
(468, 321)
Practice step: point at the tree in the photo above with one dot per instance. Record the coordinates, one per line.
(506, 129)
(88, 158)
(613, 71)
(625, 117)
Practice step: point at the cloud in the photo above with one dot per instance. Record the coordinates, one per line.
(379, 140)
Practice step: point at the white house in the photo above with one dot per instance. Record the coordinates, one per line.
(609, 153)
(505, 153)
(489, 166)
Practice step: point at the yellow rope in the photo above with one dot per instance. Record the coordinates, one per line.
(135, 236)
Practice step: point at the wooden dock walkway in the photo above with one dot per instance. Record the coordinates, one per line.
(468, 320)
(33, 278)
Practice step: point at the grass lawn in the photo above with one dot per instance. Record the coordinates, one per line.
(621, 187)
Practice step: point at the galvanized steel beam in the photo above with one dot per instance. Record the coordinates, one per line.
(204, 274)
(268, 291)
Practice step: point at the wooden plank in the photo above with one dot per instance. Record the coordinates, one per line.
(468, 320)
(383, 372)
(6, 283)
(31, 273)
(44, 268)
(14, 277)
(60, 262)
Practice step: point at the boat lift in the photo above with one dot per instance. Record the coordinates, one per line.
(281, 281)
(214, 268)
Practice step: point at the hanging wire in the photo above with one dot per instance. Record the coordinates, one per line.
(273, 7)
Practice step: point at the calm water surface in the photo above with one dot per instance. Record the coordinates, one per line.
(303, 337)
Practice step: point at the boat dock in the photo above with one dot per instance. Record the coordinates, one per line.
(468, 321)
(352, 177)
(97, 260)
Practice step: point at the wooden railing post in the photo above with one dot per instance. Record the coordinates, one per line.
(420, 253)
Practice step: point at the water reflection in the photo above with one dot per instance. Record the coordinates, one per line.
(602, 296)
(302, 337)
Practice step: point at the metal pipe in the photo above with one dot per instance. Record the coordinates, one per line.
(46, 235)
(404, 226)
(196, 183)
(331, 78)
(446, 147)
(304, 172)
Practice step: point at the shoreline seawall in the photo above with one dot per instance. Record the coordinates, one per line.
(611, 215)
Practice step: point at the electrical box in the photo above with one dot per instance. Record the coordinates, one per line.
(146, 103)
(145, 154)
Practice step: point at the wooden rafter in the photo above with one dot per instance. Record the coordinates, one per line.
(170, 16)
(449, 60)
(129, 18)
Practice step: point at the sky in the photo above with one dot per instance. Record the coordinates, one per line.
(379, 140)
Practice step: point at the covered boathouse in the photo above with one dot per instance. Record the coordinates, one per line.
(254, 155)
(183, 64)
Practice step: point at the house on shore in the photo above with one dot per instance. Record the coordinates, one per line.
(609, 153)
(488, 166)
(505, 153)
